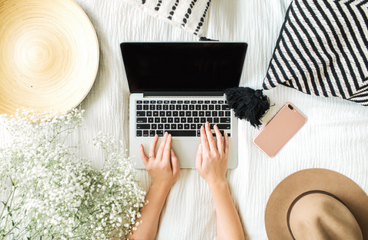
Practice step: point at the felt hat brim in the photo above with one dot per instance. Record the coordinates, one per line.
(355, 199)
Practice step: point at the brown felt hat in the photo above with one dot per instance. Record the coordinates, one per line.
(317, 204)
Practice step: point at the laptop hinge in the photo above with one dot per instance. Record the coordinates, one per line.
(178, 93)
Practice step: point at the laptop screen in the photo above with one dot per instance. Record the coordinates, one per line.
(202, 66)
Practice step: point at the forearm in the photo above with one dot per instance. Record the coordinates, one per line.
(150, 213)
(228, 221)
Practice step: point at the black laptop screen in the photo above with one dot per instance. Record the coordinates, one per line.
(200, 66)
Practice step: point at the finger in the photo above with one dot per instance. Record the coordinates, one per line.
(162, 146)
(210, 138)
(199, 158)
(174, 163)
(220, 144)
(226, 145)
(167, 151)
(153, 148)
(204, 140)
(143, 156)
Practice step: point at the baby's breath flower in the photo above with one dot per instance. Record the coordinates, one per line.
(45, 187)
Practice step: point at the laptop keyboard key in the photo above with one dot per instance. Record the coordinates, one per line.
(167, 126)
(223, 126)
(175, 113)
(168, 114)
(180, 126)
(152, 133)
(163, 120)
(160, 133)
(170, 120)
(173, 126)
(181, 113)
(172, 107)
(160, 126)
(225, 107)
(203, 120)
(153, 126)
(198, 107)
(218, 107)
(211, 107)
(192, 126)
(149, 114)
(141, 114)
(185, 107)
(139, 107)
(178, 107)
(199, 126)
(209, 120)
(227, 113)
(141, 120)
(146, 102)
(183, 133)
(204, 107)
(155, 113)
(183, 120)
(208, 114)
(152, 107)
(214, 114)
(216, 120)
(225, 120)
(145, 133)
(189, 120)
(188, 114)
(143, 126)
(196, 120)
(166, 101)
(195, 114)
(221, 114)
(162, 114)
(139, 102)
(139, 133)
(159, 107)
(186, 126)
(157, 120)
(166, 107)
(191, 107)
(201, 113)
(176, 120)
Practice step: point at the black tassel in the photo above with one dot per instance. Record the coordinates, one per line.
(248, 104)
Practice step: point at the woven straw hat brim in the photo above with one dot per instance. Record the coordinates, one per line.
(303, 181)
(49, 55)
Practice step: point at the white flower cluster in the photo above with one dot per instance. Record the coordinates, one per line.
(47, 192)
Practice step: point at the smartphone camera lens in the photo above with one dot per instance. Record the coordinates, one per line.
(291, 107)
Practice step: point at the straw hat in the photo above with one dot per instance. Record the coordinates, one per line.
(317, 204)
(49, 55)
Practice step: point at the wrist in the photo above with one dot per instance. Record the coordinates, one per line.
(161, 186)
(217, 183)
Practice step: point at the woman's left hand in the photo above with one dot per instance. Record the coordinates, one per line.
(162, 166)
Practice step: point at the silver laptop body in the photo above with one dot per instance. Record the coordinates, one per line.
(176, 88)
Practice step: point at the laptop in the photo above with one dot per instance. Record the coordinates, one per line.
(178, 87)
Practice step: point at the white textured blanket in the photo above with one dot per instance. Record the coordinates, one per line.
(335, 136)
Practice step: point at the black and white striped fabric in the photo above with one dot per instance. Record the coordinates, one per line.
(322, 50)
(187, 14)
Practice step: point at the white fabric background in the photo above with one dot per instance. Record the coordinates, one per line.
(335, 136)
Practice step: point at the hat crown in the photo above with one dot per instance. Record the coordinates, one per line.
(321, 215)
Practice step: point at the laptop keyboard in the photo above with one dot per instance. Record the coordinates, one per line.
(180, 118)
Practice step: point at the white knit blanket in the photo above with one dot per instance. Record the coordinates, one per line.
(335, 136)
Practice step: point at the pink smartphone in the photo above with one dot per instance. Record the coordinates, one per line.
(280, 129)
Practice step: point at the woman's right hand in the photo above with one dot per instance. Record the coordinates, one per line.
(212, 156)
